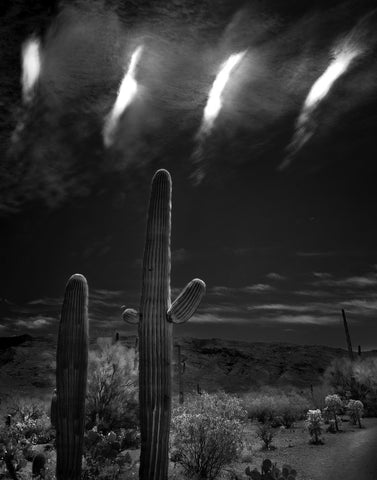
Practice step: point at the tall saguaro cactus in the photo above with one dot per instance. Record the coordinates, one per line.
(348, 336)
(155, 322)
(71, 379)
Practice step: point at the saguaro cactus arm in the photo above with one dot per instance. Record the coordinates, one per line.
(185, 305)
(131, 316)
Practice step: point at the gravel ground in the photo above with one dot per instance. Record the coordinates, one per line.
(347, 455)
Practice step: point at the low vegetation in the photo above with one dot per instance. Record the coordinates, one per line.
(213, 436)
(355, 380)
(269, 471)
(112, 393)
(207, 434)
(277, 407)
(314, 424)
(266, 433)
(355, 410)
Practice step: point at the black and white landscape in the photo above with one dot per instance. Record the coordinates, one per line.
(264, 113)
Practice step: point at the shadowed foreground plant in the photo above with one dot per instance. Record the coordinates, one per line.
(207, 434)
(105, 458)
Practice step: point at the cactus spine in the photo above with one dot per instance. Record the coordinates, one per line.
(155, 324)
(71, 379)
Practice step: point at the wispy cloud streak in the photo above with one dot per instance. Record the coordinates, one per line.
(343, 57)
(31, 68)
(126, 94)
(213, 107)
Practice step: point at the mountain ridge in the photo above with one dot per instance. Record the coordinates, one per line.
(231, 365)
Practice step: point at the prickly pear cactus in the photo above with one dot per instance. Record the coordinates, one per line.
(271, 472)
(155, 321)
(71, 379)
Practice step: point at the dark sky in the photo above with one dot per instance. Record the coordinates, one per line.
(281, 252)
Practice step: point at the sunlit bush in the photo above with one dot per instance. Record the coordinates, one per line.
(27, 419)
(314, 424)
(334, 406)
(355, 410)
(112, 387)
(207, 434)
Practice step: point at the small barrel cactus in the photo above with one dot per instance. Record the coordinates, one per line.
(155, 320)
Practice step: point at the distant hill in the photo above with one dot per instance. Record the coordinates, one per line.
(8, 347)
(29, 364)
(239, 366)
(6, 342)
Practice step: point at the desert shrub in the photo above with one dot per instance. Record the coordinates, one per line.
(24, 409)
(247, 453)
(276, 407)
(277, 421)
(11, 450)
(112, 387)
(104, 458)
(355, 410)
(327, 415)
(365, 375)
(314, 424)
(207, 434)
(318, 394)
(27, 419)
(37, 431)
(334, 405)
(356, 380)
(266, 433)
(332, 428)
(339, 376)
